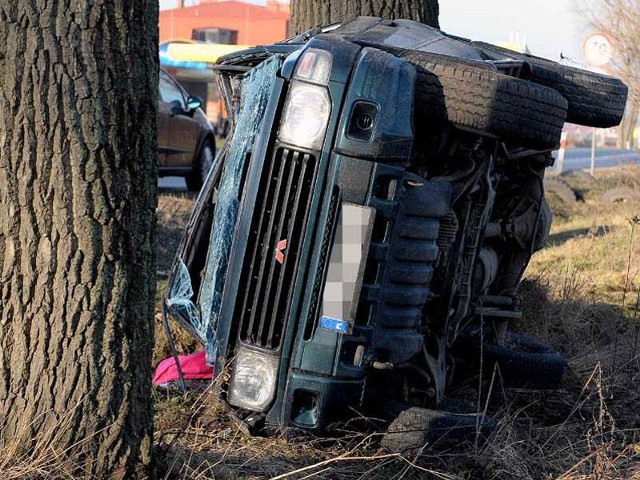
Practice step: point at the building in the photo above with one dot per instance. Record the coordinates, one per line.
(517, 42)
(230, 22)
(215, 22)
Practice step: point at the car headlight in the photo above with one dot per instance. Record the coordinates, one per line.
(306, 116)
(308, 105)
(253, 382)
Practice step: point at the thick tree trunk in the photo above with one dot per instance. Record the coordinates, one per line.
(78, 103)
(306, 14)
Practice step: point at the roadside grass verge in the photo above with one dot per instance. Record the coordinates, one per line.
(581, 295)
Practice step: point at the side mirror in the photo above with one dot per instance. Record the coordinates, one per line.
(193, 103)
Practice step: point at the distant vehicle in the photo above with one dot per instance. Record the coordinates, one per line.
(186, 142)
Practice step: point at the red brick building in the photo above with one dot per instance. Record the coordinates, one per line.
(227, 22)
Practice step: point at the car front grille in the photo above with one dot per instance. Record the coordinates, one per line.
(273, 247)
(325, 251)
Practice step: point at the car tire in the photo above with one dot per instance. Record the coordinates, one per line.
(619, 194)
(478, 99)
(561, 189)
(201, 168)
(595, 100)
(524, 361)
(416, 427)
(581, 176)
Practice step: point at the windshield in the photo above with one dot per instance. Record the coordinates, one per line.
(201, 313)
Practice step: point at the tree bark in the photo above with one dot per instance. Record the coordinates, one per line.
(78, 150)
(306, 14)
(627, 128)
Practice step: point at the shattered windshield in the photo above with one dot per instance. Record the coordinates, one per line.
(202, 315)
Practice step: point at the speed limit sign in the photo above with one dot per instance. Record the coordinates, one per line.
(598, 49)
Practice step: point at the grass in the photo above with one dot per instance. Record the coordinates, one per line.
(581, 296)
(174, 208)
(44, 458)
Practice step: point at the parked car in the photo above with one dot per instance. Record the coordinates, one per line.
(186, 142)
(368, 222)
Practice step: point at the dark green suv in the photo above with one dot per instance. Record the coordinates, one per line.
(370, 217)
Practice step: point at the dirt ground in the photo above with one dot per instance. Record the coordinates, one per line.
(582, 295)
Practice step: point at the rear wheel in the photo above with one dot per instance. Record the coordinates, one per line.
(524, 361)
(594, 100)
(476, 98)
(201, 168)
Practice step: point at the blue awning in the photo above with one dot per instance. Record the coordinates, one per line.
(167, 61)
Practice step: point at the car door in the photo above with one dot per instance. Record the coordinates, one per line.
(178, 130)
(164, 110)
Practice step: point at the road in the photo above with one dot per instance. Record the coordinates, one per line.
(580, 158)
(574, 159)
(172, 183)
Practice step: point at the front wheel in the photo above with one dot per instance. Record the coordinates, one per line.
(416, 427)
(201, 168)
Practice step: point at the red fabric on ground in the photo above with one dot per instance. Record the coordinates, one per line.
(194, 367)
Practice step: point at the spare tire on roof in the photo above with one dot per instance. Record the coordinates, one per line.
(595, 100)
(472, 96)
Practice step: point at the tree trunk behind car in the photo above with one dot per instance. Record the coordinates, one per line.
(78, 104)
(306, 14)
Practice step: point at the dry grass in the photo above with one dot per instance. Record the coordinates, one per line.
(174, 208)
(581, 295)
(42, 458)
(202, 441)
(41, 462)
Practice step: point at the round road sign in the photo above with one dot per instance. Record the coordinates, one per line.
(598, 49)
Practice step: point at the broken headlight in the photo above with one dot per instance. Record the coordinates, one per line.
(253, 382)
(307, 109)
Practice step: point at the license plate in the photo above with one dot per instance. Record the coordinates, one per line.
(346, 267)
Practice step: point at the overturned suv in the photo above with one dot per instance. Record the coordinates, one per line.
(370, 217)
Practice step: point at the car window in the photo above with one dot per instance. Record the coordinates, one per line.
(169, 91)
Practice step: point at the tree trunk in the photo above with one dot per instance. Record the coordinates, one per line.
(627, 128)
(78, 149)
(306, 14)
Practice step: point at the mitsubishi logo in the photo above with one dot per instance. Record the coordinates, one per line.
(282, 245)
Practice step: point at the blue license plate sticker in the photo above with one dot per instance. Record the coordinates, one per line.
(333, 324)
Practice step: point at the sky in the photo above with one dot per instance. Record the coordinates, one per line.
(551, 27)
